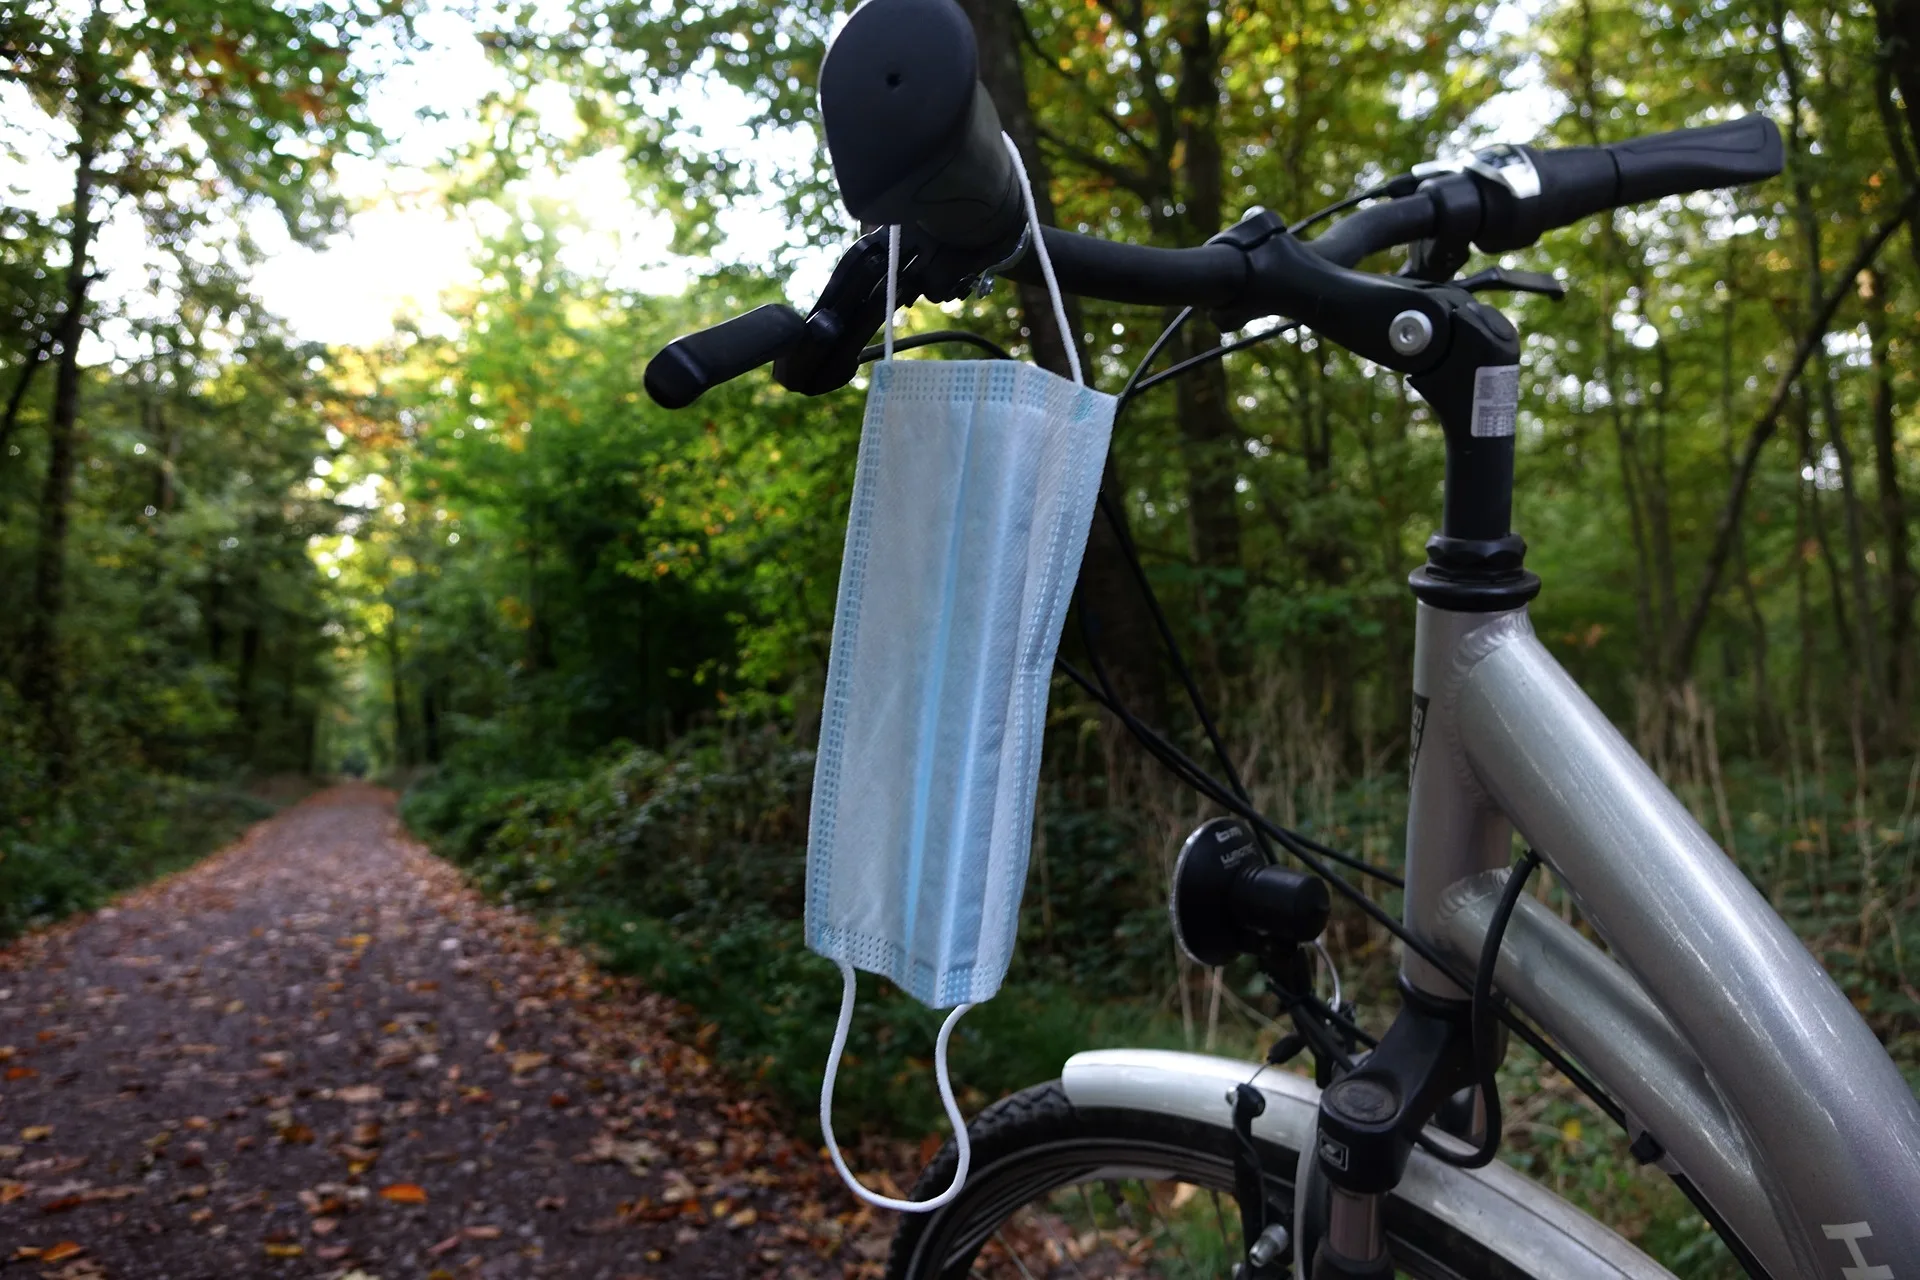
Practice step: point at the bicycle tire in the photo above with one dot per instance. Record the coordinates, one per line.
(1440, 1226)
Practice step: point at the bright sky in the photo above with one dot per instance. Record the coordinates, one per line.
(404, 250)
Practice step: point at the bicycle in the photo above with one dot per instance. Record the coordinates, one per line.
(1705, 1029)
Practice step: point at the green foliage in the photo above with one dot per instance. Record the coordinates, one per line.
(688, 870)
(70, 850)
(165, 628)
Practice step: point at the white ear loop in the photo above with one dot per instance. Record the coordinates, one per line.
(946, 1100)
(1046, 263)
(893, 276)
(1039, 248)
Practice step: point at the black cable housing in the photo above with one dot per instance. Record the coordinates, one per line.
(910, 341)
(1486, 1061)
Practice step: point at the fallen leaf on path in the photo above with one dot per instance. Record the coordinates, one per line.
(36, 1133)
(62, 1251)
(359, 1093)
(21, 1073)
(404, 1193)
(284, 1250)
(636, 1153)
(11, 1191)
(483, 1233)
(445, 1246)
(522, 1063)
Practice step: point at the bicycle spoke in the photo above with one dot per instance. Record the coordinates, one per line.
(1179, 1246)
(1065, 1246)
(1227, 1238)
(1093, 1215)
(1013, 1253)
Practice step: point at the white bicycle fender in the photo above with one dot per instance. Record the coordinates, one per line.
(1518, 1217)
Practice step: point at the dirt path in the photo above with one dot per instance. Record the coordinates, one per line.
(318, 1054)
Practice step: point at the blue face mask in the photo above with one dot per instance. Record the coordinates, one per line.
(974, 489)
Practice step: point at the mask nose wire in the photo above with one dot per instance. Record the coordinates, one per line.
(1039, 248)
(946, 1100)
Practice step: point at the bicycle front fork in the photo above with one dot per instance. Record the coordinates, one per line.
(1370, 1119)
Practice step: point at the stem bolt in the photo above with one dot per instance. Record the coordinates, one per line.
(1410, 332)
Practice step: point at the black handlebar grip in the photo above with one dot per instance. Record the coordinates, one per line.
(912, 135)
(1721, 155)
(691, 365)
(1578, 182)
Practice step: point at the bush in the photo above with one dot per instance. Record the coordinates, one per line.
(689, 871)
(106, 832)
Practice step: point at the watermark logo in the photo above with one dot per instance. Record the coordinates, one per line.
(1851, 1234)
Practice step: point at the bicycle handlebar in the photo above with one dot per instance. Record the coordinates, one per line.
(915, 142)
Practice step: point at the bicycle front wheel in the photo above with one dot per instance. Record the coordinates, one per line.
(1124, 1167)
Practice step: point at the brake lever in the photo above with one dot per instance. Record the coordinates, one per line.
(853, 305)
(1501, 280)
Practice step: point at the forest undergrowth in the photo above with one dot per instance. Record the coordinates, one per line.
(687, 868)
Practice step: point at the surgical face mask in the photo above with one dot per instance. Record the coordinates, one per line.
(974, 489)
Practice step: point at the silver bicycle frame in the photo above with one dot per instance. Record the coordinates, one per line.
(1709, 1021)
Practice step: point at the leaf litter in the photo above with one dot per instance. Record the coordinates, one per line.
(318, 1053)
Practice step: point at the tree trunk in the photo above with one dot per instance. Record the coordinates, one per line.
(45, 678)
(243, 688)
(1836, 596)
(1762, 717)
(1211, 442)
(1625, 427)
(1898, 22)
(1866, 664)
(21, 383)
(1128, 645)
(1902, 584)
(402, 729)
(169, 449)
(430, 721)
(1868, 670)
(1210, 448)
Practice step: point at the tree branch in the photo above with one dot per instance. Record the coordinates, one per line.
(1142, 184)
(1134, 24)
(1087, 100)
(35, 358)
(1769, 422)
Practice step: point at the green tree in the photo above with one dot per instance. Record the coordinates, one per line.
(238, 102)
